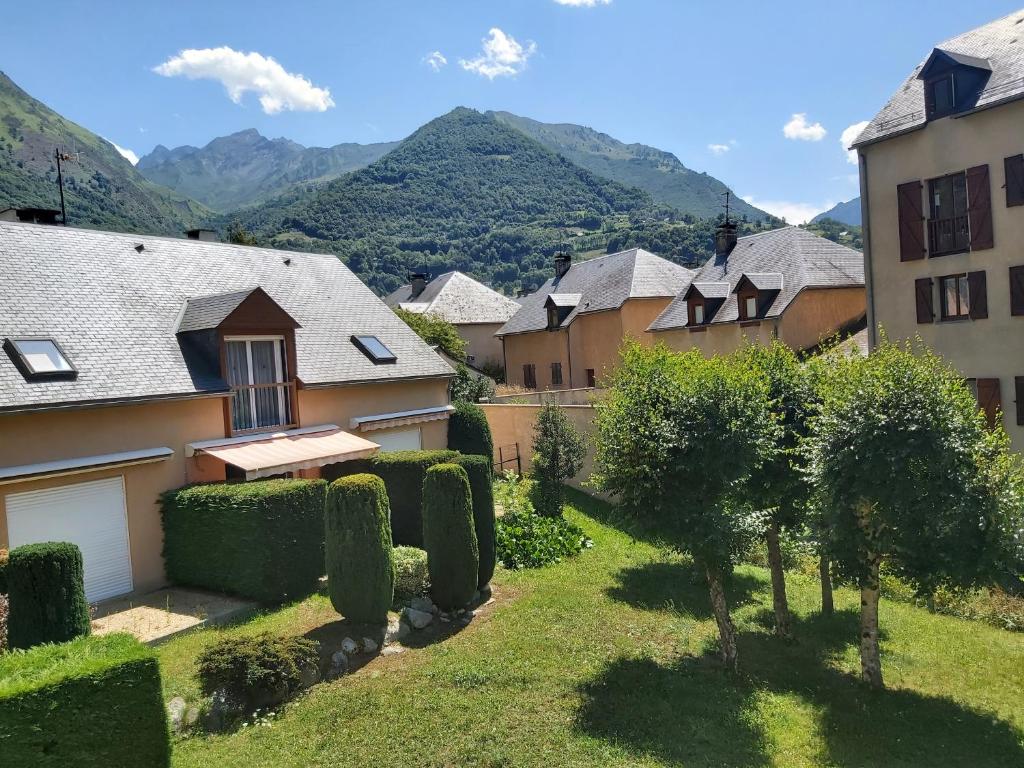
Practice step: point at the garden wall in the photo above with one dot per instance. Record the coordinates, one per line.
(578, 396)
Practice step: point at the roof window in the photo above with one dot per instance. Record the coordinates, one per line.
(39, 358)
(374, 349)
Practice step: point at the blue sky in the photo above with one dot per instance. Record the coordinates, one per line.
(715, 83)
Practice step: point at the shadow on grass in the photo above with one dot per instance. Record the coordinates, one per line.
(678, 586)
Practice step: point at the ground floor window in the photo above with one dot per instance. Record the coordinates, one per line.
(556, 374)
(591, 378)
(530, 376)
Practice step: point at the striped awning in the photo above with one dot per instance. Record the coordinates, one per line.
(400, 419)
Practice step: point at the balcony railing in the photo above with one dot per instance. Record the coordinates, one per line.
(950, 235)
(259, 407)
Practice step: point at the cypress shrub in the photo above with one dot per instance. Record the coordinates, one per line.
(46, 593)
(412, 576)
(360, 559)
(3, 571)
(453, 557)
(469, 432)
(481, 485)
(261, 540)
(94, 702)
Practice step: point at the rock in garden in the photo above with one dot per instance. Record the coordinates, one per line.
(396, 631)
(391, 650)
(424, 604)
(309, 676)
(339, 665)
(191, 717)
(349, 646)
(369, 645)
(176, 711)
(417, 619)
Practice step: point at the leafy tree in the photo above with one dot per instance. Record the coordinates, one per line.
(679, 438)
(469, 388)
(239, 235)
(558, 453)
(436, 331)
(909, 476)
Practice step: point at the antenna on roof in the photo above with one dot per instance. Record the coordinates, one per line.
(726, 195)
(60, 154)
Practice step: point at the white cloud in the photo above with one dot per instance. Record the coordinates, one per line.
(435, 60)
(240, 72)
(792, 212)
(720, 149)
(127, 154)
(583, 3)
(800, 130)
(503, 56)
(848, 137)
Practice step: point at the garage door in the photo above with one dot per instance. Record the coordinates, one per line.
(91, 515)
(404, 440)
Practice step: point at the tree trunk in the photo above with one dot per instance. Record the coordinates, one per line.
(783, 626)
(726, 630)
(870, 660)
(827, 606)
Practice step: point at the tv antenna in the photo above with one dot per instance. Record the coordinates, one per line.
(727, 196)
(60, 154)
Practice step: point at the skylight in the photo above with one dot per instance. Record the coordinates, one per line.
(374, 349)
(39, 358)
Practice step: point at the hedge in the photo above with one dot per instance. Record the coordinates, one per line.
(3, 571)
(46, 594)
(469, 432)
(453, 558)
(262, 540)
(94, 702)
(360, 560)
(481, 485)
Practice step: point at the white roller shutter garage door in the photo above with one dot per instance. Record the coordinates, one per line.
(404, 440)
(91, 515)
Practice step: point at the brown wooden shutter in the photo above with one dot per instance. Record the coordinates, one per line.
(979, 208)
(908, 198)
(1014, 167)
(977, 294)
(1019, 387)
(1017, 291)
(989, 400)
(925, 304)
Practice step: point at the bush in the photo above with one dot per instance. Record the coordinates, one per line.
(46, 594)
(470, 388)
(257, 671)
(558, 453)
(469, 432)
(3, 571)
(360, 563)
(528, 540)
(412, 577)
(453, 556)
(94, 702)
(261, 540)
(481, 486)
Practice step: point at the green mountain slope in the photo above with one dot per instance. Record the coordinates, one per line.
(655, 171)
(845, 213)
(245, 168)
(102, 189)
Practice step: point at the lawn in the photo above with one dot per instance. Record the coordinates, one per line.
(604, 661)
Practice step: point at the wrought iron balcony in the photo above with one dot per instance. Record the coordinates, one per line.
(951, 235)
(259, 407)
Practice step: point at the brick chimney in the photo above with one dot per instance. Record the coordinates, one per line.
(418, 281)
(725, 238)
(207, 235)
(562, 263)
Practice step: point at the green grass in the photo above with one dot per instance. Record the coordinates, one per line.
(603, 661)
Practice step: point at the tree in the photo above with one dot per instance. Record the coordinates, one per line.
(436, 331)
(239, 235)
(909, 476)
(558, 453)
(470, 388)
(679, 439)
(469, 432)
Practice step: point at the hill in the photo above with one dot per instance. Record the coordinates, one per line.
(845, 213)
(102, 190)
(655, 171)
(245, 168)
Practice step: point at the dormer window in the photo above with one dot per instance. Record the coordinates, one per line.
(40, 358)
(698, 313)
(750, 305)
(755, 293)
(703, 301)
(559, 306)
(952, 82)
(940, 95)
(257, 372)
(552, 318)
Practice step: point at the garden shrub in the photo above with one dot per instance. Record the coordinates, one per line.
(469, 432)
(262, 540)
(259, 670)
(94, 702)
(46, 594)
(3, 571)
(360, 563)
(449, 536)
(412, 576)
(558, 453)
(527, 540)
(481, 486)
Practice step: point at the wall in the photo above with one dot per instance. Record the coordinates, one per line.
(578, 396)
(717, 339)
(818, 313)
(540, 348)
(481, 343)
(989, 348)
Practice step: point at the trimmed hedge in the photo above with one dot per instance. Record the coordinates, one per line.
(262, 540)
(481, 485)
(46, 594)
(3, 571)
(469, 432)
(412, 575)
(360, 560)
(94, 702)
(449, 537)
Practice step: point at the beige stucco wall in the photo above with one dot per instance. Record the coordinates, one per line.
(716, 339)
(542, 348)
(594, 339)
(989, 348)
(481, 343)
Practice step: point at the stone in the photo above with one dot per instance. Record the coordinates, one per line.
(369, 645)
(339, 666)
(191, 717)
(424, 604)
(417, 619)
(309, 675)
(221, 712)
(391, 650)
(349, 646)
(397, 630)
(176, 709)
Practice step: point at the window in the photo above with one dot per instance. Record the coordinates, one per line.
(941, 96)
(949, 227)
(553, 320)
(374, 349)
(556, 374)
(39, 359)
(530, 376)
(698, 314)
(591, 379)
(256, 370)
(750, 307)
(955, 294)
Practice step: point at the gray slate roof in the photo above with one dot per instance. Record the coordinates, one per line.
(802, 259)
(603, 283)
(115, 311)
(457, 298)
(206, 312)
(1000, 43)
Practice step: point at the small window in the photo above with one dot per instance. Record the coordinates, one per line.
(698, 314)
(39, 359)
(956, 297)
(591, 378)
(530, 376)
(374, 349)
(942, 96)
(556, 374)
(553, 321)
(750, 307)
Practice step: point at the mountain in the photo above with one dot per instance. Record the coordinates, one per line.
(102, 190)
(844, 213)
(655, 171)
(244, 168)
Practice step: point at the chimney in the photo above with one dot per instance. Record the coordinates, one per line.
(725, 238)
(207, 235)
(563, 261)
(30, 215)
(418, 281)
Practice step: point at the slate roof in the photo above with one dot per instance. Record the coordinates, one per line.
(603, 283)
(457, 298)
(802, 259)
(999, 43)
(115, 310)
(206, 312)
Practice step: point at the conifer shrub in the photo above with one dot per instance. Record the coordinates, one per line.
(453, 557)
(481, 485)
(46, 593)
(469, 432)
(3, 571)
(360, 560)
(412, 576)
(558, 453)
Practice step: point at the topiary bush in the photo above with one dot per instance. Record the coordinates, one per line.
(481, 486)
(469, 432)
(46, 594)
(360, 561)
(261, 540)
(412, 576)
(94, 702)
(453, 556)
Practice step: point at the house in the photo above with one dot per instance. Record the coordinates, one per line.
(568, 333)
(475, 310)
(786, 284)
(132, 365)
(942, 195)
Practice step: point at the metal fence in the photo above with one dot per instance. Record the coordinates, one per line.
(508, 455)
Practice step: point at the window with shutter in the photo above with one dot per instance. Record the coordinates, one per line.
(954, 297)
(979, 199)
(1014, 167)
(1019, 395)
(911, 221)
(978, 292)
(923, 298)
(1017, 291)
(591, 378)
(530, 376)
(989, 400)
(556, 374)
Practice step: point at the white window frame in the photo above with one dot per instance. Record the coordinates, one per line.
(747, 305)
(698, 314)
(279, 375)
